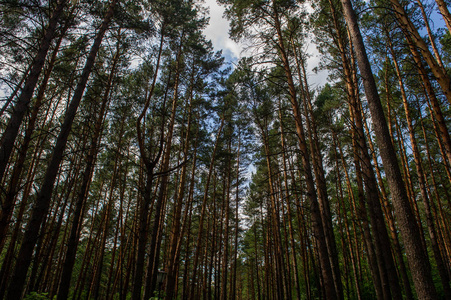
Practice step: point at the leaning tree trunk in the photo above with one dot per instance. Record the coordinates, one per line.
(413, 36)
(445, 139)
(418, 259)
(430, 35)
(319, 173)
(386, 265)
(445, 13)
(21, 107)
(42, 201)
(8, 202)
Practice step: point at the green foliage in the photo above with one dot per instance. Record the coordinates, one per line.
(445, 42)
(37, 296)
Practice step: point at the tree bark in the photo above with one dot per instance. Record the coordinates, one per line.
(445, 13)
(418, 259)
(44, 196)
(8, 202)
(21, 107)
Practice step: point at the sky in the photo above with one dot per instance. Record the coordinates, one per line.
(218, 32)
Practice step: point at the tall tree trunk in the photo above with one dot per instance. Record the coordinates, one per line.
(397, 250)
(15, 91)
(155, 242)
(188, 223)
(202, 215)
(319, 230)
(418, 260)
(237, 203)
(150, 165)
(228, 186)
(8, 203)
(422, 183)
(78, 214)
(115, 177)
(290, 214)
(346, 223)
(5, 272)
(382, 241)
(9, 135)
(444, 228)
(273, 211)
(430, 35)
(444, 139)
(176, 227)
(320, 179)
(44, 196)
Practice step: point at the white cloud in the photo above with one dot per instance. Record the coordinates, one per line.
(321, 77)
(218, 32)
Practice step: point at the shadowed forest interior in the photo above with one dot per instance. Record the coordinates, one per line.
(136, 162)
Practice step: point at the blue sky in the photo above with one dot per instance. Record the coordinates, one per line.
(218, 32)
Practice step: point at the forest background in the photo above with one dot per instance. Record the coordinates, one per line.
(136, 161)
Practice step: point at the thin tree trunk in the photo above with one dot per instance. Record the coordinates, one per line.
(397, 251)
(377, 268)
(273, 210)
(202, 215)
(86, 258)
(77, 221)
(348, 235)
(414, 37)
(329, 284)
(320, 179)
(155, 242)
(5, 272)
(225, 257)
(176, 227)
(8, 202)
(290, 214)
(422, 183)
(237, 197)
(15, 91)
(443, 8)
(430, 35)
